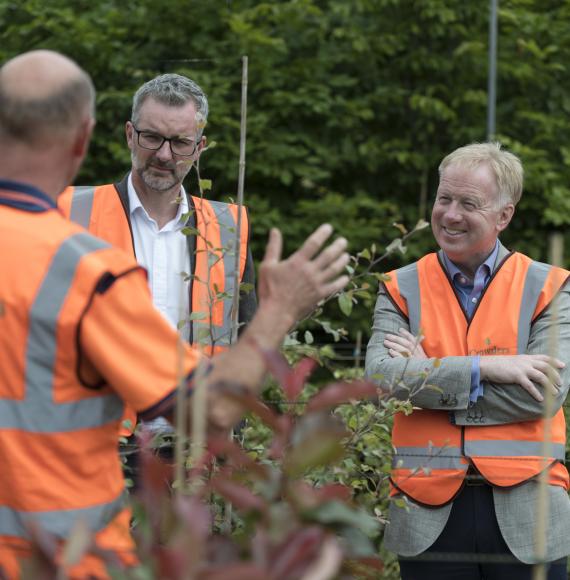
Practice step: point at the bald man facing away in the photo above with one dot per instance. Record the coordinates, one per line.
(79, 337)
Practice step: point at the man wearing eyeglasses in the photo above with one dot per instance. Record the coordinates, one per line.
(187, 244)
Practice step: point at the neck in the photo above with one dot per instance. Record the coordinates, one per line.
(37, 171)
(470, 267)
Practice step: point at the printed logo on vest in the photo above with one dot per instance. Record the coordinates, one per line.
(490, 350)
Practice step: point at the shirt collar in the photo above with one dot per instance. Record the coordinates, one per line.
(135, 203)
(489, 263)
(24, 196)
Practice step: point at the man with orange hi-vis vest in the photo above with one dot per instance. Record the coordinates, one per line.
(80, 338)
(186, 243)
(474, 335)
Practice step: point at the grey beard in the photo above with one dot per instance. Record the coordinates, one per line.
(158, 183)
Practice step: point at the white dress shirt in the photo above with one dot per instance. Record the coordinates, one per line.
(164, 254)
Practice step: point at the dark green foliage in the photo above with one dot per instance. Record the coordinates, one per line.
(351, 104)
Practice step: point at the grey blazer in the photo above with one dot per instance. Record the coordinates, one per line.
(412, 531)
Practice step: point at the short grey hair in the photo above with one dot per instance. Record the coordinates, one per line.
(506, 167)
(23, 118)
(173, 90)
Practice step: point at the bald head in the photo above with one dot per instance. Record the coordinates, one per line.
(42, 95)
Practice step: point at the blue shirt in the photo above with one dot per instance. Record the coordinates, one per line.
(469, 292)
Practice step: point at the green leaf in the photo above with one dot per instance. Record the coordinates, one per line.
(336, 512)
(197, 316)
(190, 231)
(203, 335)
(309, 337)
(205, 184)
(345, 303)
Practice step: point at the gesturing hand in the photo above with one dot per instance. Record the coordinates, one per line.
(404, 344)
(523, 370)
(298, 283)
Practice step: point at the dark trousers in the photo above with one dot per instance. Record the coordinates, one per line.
(471, 546)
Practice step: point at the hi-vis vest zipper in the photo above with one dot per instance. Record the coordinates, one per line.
(432, 454)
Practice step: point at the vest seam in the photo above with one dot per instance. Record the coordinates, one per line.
(394, 303)
(550, 303)
(126, 209)
(102, 383)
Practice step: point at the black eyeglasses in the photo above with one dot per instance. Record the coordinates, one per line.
(154, 141)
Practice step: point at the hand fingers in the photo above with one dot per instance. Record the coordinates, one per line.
(532, 390)
(336, 286)
(331, 253)
(394, 353)
(274, 246)
(396, 339)
(544, 380)
(407, 334)
(335, 268)
(315, 241)
(396, 347)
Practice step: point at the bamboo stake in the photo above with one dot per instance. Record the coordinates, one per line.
(240, 194)
(540, 570)
(238, 248)
(180, 417)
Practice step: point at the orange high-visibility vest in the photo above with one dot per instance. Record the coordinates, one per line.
(58, 445)
(100, 210)
(432, 454)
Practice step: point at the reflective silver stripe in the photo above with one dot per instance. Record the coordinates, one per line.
(222, 334)
(59, 522)
(409, 285)
(38, 413)
(433, 458)
(82, 205)
(533, 285)
(511, 448)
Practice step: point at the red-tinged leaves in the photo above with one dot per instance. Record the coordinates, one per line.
(171, 563)
(194, 515)
(292, 380)
(308, 496)
(294, 555)
(365, 568)
(155, 474)
(239, 571)
(328, 561)
(281, 439)
(322, 447)
(251, 403)
(240, 496)
(222, 446)
(297, 377)
(338, 393)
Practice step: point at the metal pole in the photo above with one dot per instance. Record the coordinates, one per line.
(492, 80)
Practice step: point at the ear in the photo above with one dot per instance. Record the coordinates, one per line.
(505, 215)
(201, 147)
(82, 138)
(129, 132)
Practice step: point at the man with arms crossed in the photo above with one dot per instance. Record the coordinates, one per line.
(79, 337)
(480, 322)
